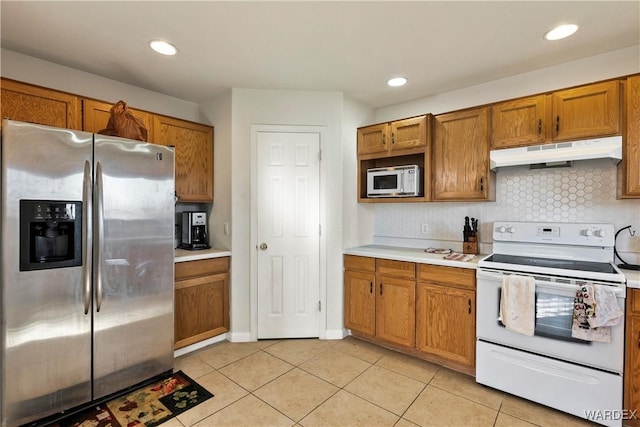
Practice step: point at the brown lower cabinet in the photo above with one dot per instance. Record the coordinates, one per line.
(201, 302)
(422, 310)
(380, 298)
(632, 357)
(446, 315)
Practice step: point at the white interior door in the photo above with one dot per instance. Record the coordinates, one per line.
(288, 234)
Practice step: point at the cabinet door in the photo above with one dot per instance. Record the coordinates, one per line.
(360, 302)
(461, 156)
(519, 122)
(409, 133)
(95, 116)
(193, 143)
(396, 311)
(34, 104)
(445, 322)
(629, 178)
(587, 111)
(201, 309)
(632, 355)
(373, 139)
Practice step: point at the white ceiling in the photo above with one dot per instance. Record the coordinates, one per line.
(353, 47)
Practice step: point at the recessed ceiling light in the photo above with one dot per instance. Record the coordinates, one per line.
(560, 32)
(397, 81)
(163, 47)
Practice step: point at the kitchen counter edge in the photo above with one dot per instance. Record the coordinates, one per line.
(633, 278)
(411, 255)
(182, 255)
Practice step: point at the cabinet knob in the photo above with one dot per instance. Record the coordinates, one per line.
(383, 140)
(481, 184)
(539, 126)
(557, 123)
(393, 138)
(469, 301)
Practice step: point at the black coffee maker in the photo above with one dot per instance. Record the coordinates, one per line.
(194, 231)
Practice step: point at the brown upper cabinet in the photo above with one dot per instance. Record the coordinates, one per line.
(193, 144)
(34, 104)
(398, 143)
(385, 138)
(460, 159)
(95, 116)
(629, 167)
(582, 112)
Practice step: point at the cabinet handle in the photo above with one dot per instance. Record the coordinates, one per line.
(539, 126)
(370, 287)
(380, 288)
(481, 184)
(469, 301)
(384, 142)
(393, 138)
(557, 123)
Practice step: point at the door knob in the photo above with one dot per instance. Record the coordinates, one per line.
(263, 246)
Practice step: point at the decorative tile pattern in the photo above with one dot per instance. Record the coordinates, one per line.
(585, 192)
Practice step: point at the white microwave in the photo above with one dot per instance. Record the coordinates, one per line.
(396, 181)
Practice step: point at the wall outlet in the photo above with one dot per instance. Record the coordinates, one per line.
(226, 228)
(424, 228)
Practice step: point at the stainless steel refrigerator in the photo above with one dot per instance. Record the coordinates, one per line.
(87, 226)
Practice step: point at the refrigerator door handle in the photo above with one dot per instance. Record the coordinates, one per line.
(86, 232)
(99, 225)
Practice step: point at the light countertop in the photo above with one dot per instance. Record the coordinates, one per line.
(633, 278)
(182, 255)
(411, 255)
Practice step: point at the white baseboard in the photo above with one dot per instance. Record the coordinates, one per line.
(197, 346)
(335, 334)
(239, 336)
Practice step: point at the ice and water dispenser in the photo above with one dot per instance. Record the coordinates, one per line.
(50, 234)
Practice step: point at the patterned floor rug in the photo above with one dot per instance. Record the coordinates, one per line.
(147, 406)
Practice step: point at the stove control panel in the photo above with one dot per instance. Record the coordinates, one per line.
(579, 234)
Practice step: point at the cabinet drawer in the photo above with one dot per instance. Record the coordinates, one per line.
(461, 277)
(361, 263)
(204, 267)
(400, 269)
(633, 301)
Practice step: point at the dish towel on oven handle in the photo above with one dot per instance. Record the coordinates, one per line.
(517, 304)
(595, 310)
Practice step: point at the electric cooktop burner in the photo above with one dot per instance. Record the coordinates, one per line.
(596, 267)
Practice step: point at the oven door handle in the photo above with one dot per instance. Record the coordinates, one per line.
(544, 284)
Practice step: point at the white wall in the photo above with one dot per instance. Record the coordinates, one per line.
(32, 70)
(358, 218)
(264, 107)
(613, 64)
(217, 111)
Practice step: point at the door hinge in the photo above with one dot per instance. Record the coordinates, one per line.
(319, 305)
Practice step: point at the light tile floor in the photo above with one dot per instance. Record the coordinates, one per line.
(310, 382)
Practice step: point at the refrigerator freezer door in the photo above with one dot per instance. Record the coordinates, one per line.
(46, 335)
(133, 262)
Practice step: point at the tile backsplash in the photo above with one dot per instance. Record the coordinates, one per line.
(585, 192)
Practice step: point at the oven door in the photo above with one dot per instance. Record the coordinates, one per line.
(554, 316)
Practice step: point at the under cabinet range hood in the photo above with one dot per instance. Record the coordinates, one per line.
(558, 154)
